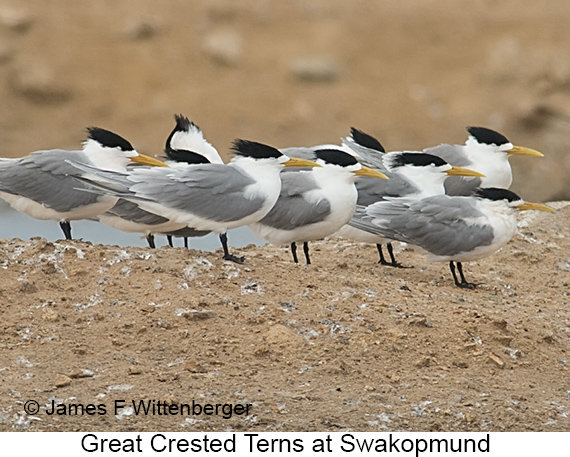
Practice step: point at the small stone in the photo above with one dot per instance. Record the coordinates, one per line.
(62, 380)
(369, 388)
(28, 287)
(195, 315)
(496, 360)
(39, 82)
(193, 366)
(141, 29)
(81, 373)
(49, 315)
(317, 69)
(223, 47)
(15, 19)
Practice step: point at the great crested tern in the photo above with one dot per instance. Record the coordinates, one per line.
(39, 184)
(315, 203)
(184, 146)
(213, 197)
(485, 151)
(450, 228)
(412, 176)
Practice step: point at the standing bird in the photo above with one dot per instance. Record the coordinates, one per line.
(39, 184)
(485, 151)
(315, 203)
(213, 197)
(412, 176)
(450, 228)
(185, 146)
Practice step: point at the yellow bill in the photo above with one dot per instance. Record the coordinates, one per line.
(369, 172)
(520, 151)
(294, 162)
(534, 206)
(459, 171)
(146, 160)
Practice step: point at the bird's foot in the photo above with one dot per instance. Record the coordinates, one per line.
(394, 264)
(234, 258)
(466, 285)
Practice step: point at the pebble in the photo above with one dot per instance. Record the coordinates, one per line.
(223, 47)
(316, 69)
(496, 360)
(38, 82)
(62, 380)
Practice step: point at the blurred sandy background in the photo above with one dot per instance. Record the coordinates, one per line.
(414, 73)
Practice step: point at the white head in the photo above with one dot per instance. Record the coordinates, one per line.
(188, 136)
(426, 171)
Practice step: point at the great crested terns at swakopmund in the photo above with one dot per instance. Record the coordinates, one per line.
(213, 197)
(39, 184)
(314, 203)
(184, 146)
(448, 228)
(485, 151)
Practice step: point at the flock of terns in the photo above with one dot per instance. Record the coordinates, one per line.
(450, 201)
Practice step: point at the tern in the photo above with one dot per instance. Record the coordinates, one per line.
(485, 151)
(184, 146)
(211, 197)
(412, 176)
(447, 228)
(314, 203)
(39, 184)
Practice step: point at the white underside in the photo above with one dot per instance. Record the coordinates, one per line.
(135, 227)
(39, 211)
(355, 234)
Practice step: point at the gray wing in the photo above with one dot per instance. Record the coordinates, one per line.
(366, 156)
(188, 232)
(371, 190)
(299, 153)
(210, 191)
(130, 211)
(435, 224)
(43, 176)
(452, 153)
(461, 185)
(292, 209)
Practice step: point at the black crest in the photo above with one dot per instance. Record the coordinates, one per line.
(108, 139)
(255, 150)
(363, 139)
(183, 155)
(487, 136)
(416, 159)
(336, 157)
(183, 124)
(494, 193)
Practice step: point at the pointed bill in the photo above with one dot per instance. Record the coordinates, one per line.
(520, 151)
(369, 172)
(526, 206)
(146, 160)
(459, 171)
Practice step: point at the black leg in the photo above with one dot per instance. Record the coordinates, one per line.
(306, 251)
(227, 255)
(463, 283)
(150, 241)
(169, 239)
(294, 252)
(186, 242)
(66, 227)
(381, 254)
(394, 263)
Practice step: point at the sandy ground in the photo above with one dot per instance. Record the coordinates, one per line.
(344, 344)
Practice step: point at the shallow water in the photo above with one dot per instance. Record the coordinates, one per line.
(17, 225)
